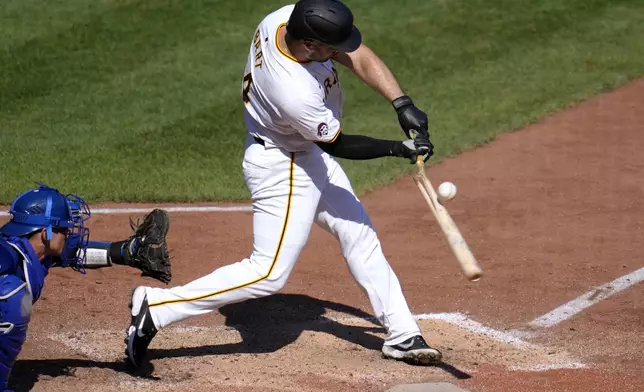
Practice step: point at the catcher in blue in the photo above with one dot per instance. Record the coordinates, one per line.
(47, 229)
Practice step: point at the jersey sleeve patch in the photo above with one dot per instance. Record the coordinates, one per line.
(313, 120)
(323, 130)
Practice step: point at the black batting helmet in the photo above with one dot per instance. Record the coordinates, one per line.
(327, 21)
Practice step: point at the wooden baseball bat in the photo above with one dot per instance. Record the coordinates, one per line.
(457, 243)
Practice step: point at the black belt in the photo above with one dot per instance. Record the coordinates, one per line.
(259, 140)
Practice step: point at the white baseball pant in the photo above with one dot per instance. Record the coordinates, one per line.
(289, 192)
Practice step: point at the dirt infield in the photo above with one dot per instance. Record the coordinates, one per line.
(551, 212)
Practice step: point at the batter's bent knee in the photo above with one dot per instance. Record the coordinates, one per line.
(273, 277)
(269, 287)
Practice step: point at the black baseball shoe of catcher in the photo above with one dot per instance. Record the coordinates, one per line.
(414, 351)
(141, 330)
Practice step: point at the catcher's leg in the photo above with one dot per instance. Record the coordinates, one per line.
(285, 198)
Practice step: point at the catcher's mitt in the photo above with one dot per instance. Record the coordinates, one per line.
(147, 248)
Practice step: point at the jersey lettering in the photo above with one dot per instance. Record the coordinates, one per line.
(257, 42)
(246, 82)
(330, 82)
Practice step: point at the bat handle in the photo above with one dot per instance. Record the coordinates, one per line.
(420, 162)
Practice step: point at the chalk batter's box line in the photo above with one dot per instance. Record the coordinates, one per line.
(458, 319)
(141, 210)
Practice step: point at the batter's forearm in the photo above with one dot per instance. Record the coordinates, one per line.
(358, 147)
(372, 71)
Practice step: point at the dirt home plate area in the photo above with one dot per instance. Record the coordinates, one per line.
(554, 214)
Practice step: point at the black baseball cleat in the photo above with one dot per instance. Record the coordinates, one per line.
(141, 330)
(414, 351)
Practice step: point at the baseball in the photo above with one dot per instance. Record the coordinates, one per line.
(447, 190)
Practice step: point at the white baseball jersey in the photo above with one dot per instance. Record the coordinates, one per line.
(289, 104)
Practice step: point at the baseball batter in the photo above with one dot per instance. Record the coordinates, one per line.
(293, 107)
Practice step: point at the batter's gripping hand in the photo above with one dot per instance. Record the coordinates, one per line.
(407, 149)
(410, 117)
(148, 249)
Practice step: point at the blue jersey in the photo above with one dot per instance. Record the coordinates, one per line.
(18, 258)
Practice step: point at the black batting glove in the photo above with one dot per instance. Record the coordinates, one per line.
(408, 149)
(412, 120)
(424, 146)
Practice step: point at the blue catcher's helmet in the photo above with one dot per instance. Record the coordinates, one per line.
(46, 208)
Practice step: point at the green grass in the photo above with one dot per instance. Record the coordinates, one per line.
(139, 100)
